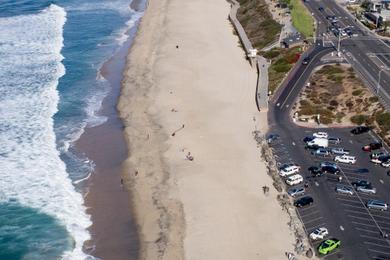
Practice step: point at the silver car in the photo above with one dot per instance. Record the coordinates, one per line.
(344, 189)
(296, 191)
(366, 189)
(377, 204)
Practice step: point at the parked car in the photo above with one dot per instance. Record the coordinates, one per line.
(386, 164)
(344, 189)
(289, 170)
(319, 233)
(360, 130)
(321, 152)
(366, 189)
(334, 140)
(380, 159)
(321, 9)
(377, 204)
(286, 165)
(345, 159)
(330, 169)
(296, 191)
(294, 180)
(372, 146)
(304, 201)
(332, 164)
(314, 170)
(328, 246)
(312, 147)
(306, 60)
(308, 138)
(339, 151)
(377, 154)
(358, 183)
(271, 138)
(321, 135)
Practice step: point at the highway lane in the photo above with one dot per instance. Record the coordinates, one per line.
(367, 53)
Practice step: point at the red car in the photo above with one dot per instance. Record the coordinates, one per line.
(372, 146)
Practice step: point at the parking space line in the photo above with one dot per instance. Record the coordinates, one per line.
(356, 212)
(312, 220)
(308, 214)
(375, 244)
(366, 230)
(376, 216)
(379, 252)
(352, 206)
(349, 200)
(351, 216)
(364, 224)
(374, 238)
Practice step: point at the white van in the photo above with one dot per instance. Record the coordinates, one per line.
(294, 179)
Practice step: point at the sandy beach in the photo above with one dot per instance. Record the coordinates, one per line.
(188, 93)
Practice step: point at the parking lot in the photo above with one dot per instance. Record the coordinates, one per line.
(347, 218)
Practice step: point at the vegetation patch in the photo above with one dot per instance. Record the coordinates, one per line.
(339, 98)
(282, 60)
(301, 18)
(258, 23)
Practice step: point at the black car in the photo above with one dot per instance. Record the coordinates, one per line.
(361, 183)
(306, 61)
(321, 9)
(272, 138)
(372, 146)
(308, 139)
(304, 201)
(314, 170)
(312, 147)
(360, 130)
(330, 169)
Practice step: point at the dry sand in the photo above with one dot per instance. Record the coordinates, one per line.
(212, 207)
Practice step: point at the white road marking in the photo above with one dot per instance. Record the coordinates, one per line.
(375, 244)
(379, 252)
(341, 228)
(316, 183)
(373, 238)
(381, 181)
(366, 230)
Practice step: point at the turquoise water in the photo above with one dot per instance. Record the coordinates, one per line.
(51, 53)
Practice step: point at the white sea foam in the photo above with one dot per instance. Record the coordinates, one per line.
(31, 170)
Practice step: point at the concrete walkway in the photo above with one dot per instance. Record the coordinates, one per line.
(260, 62)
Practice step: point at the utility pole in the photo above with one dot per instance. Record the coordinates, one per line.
(338, 45)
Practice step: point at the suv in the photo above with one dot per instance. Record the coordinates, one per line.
(339, 151)
(360, 130)
(377, 204)
(289, 170)
(296, 191)
(319, 233)
(345, 159)
(304, 201)
(321, 152)
(344, 189)
(360, 183)
(294, 179)
(366, 189)
(380, 159)
(330, 169)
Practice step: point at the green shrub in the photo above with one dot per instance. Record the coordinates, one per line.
(359, 119)
(383, 120)
(271, 54)
(357, 92)
(373, 99)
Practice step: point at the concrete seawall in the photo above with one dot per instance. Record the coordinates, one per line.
(261, 95)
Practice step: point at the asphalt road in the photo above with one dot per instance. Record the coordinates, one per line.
(368, 55)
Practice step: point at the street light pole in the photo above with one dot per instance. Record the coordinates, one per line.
(338, 45)
(378, 85)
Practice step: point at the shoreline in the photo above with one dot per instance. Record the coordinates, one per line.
(114, 233)
(185, 77)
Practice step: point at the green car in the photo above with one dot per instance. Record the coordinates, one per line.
(328, 246)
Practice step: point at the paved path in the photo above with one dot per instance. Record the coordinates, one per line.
(261, 63)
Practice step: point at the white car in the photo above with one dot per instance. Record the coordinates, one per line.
(321, 135)
(345, 159)
(294, 179)
(289, 170)
(386, 164)
(319, 233)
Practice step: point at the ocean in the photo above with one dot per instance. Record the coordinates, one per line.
(51, 90)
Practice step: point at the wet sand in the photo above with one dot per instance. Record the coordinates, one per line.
(114, 232)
